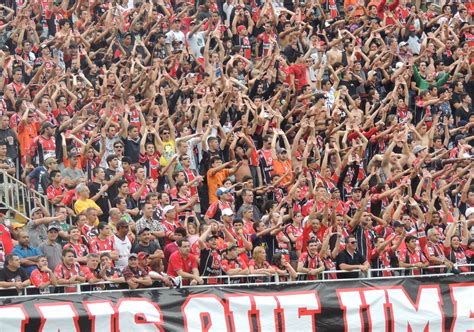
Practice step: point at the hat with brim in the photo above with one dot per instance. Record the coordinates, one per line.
(227, 212)
(418, 149)
(222, 190)
(53, 227)
(168, 208)
(45, 125)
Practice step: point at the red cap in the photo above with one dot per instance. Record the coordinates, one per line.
(142, 255)
(411, 27)
(240, 28)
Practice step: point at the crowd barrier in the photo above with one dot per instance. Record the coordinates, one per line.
(242, 280)
(440, 302)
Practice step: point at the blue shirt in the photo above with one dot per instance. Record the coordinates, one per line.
(25, 253)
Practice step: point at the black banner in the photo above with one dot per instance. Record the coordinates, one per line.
(411, 304)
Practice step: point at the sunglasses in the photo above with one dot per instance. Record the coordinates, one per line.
(353, 242)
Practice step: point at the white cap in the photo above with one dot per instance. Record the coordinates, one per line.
(227, 212)
(469, 211)
(168, 208)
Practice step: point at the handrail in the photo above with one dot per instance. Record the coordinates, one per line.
(276, 281)
(17, 195)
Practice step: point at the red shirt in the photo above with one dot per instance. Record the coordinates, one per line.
(414, 257)
(178, 262)
(151, 164)
(457, 256)
(233, 264)
(6, 244)
(48, 147)
(190, 177)
(170, 227)
(53, 192)
(299, 71)
(135, 186)
(264, 38)
(80, 249)
(98, 246)
(38, 277)
(310, 262)
(88, 273)
(62, 272)
(214, 208)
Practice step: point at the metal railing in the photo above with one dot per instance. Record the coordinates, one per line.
(19, 199)
(235, 280)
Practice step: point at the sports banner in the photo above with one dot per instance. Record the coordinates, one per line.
(413, 304)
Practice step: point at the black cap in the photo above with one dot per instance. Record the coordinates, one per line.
(143, 230)
(398, 224)
(211, 236)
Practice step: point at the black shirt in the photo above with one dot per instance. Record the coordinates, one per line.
(113, 189)
(149, 249)
(345, 257)
(210, 262)
(102, 201)
(267, 241)
(12, 276)
(132, 148)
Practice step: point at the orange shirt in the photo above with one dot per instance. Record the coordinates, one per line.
(26, 133)
(280, 168)
(351, 5)
(214, 182)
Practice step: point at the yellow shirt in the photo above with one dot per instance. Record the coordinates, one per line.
(82, 205)
(168, 152)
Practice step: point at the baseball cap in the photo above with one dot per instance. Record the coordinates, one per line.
(133, 255)
(403, 43)
(210, 237)
(227, 212)
(397, 224)
(240, 28)
(459, 137)
(280, 150)
(418, 149)
(356, 189)
(50, 160)
(333, 190)
(143, 230)
(143, 255)
(222, 190)
(411, 28)
(36, 209)
(45, 125)
(469, 211)
(51, 227)
(168, 208)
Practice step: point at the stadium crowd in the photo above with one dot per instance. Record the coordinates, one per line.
(186, 140)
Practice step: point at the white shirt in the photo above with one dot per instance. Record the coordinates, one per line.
(174, 35)
(109, 149)
(196, 42)
(123, 247)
